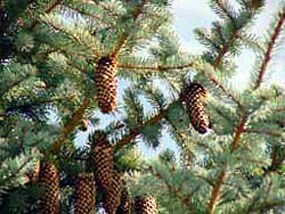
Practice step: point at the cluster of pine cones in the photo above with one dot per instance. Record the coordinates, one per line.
(116, 197)
(193, 95)
(105, 178)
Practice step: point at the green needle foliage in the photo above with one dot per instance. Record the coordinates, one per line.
(49, 114)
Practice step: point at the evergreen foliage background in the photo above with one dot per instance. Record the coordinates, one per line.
(49, 54)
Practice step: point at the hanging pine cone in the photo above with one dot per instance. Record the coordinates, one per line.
(84, 194)
(106, 83)
(102, 159)
(112, 194)
(49, 179)
(145, 205)
(126, 202)
(194, 96)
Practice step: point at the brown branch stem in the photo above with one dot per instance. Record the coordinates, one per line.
(230, 95)
(216, 191)
(225, 48)
(240, 129)
(268, 52)
(175, 191)
(47, 10)
(124, 36)
(156, 68)
(70, 126)
(136, 131)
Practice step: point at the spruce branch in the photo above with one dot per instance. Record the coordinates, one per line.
(240, 129)
(216, 190)
(265, 132)
(87, 14)
(74, 121)
(221, 4)
(133, 133)
(74, 38)
(222, 87)
(277, 160)
(160, 68)
(184, 199)
(224, 50)
(125, 35)
(267, 205)
(155, 68)
(184, 138)
(268, 53)
(47, 10)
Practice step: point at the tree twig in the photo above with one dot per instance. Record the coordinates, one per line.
(124, 36)
(156, 68)
(47, 10)
(177, 192)
(268, 53)
(133, 133)
(70, 126)
(223, 174)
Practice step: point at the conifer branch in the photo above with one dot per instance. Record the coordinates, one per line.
(181, 67)
(136, 131)
(267, 205)
(230, 95)
(240, 129)
(74, 38)
(184, 138)
(47, 10)
(216, 191)
(269, 133)
(221, 5)
(234, 34)
(174, 191)
(225, 48)
(268, 54)
(93, 16)
(124, 36)
(70, 126)
(276, 160)
(156, 68)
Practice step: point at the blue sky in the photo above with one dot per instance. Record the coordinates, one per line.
(191, 14)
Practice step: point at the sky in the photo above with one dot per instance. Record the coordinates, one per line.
(192, 14)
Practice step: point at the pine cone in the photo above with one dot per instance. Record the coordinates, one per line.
(145, 205)
(106, 83)
(49, 179)
(102, 158)
(85, 194)
(112, 195)
(126, 202)
(194, 97)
